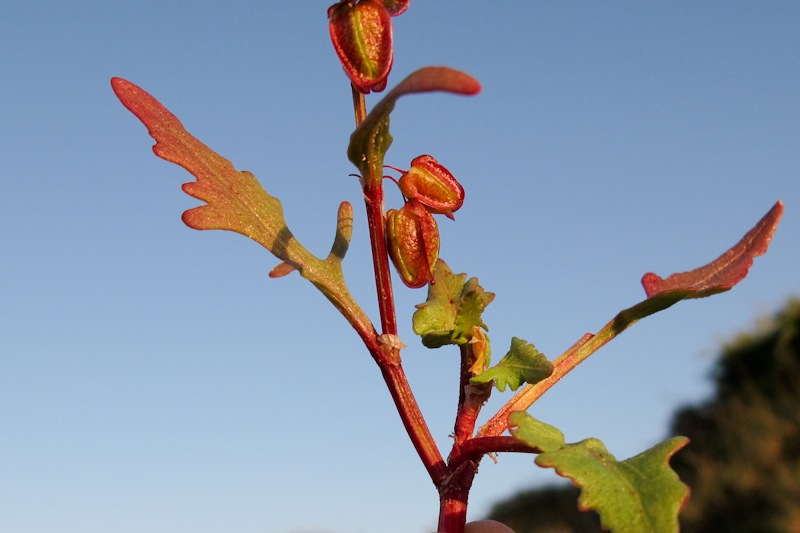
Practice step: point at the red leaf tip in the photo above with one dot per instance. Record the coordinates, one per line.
(727, 270)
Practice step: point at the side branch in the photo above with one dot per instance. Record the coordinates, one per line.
(473, 449)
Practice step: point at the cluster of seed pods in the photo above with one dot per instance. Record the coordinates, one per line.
(361, 32)
(412, 236)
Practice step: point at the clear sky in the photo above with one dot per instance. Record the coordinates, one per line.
(153, 379)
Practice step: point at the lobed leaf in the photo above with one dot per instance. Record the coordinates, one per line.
(535, 433)
(639, 495)
(453, 308)
(236, 201)
(522, 364)
(727, 270)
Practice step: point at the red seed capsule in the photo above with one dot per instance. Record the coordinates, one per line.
(362, 36)
(412, 238)
(433, 185)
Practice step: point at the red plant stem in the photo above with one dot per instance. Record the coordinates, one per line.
(453, 498)
(359, 105)
(373, 195)
(413, 420)
(475, 448)
(464, 461)
(470, 399)
(454, 492)
(463, 464)
(386, 355)
(374, 201)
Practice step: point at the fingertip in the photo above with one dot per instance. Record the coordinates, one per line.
(487, 526)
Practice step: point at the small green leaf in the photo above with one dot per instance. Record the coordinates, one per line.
(534, 433)
(473, 301)
(522, 364)
(639, 495)
(452, 310)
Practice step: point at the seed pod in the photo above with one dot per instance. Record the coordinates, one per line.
(433, 185)
(396, 7)
(412, 238)
(362, 36)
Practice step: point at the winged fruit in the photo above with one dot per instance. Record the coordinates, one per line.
(432, 185)
(413, 242)
(362, 36)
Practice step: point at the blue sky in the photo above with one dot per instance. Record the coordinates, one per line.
(152, 378)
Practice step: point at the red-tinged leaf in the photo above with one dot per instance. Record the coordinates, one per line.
(371, 139)
(236, 201)
(719, 276)
(728, 270)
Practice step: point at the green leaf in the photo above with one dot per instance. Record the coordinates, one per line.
(452, 310)
(522, 364)
(628, 317)
(535, 433)
(639, 495)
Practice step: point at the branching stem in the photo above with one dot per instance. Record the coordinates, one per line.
(373, 196)
(385, 354)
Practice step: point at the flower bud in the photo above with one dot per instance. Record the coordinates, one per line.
(362, 36)
(433, 185)
(412, 238)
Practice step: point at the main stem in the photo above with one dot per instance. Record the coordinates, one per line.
(454, 494)
(453, 497)
(373, 196)
(387, 354)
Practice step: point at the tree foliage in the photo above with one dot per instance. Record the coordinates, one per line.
(743, 464)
